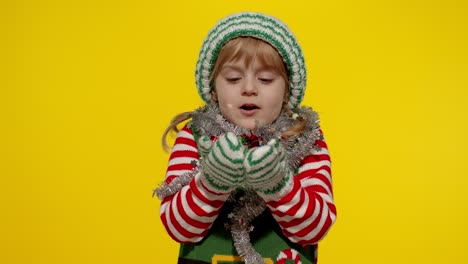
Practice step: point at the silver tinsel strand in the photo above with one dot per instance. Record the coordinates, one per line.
(176, 184)
(209, 121)
(249, 206)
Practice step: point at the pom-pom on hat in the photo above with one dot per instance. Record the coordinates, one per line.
(260, 26)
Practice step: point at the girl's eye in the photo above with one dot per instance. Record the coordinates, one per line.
(233, 79)
(265, 80)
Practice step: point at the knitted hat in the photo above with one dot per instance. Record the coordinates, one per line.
(260, 26)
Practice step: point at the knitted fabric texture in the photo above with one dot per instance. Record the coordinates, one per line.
(222, 163)
(260, 26)
(266, 168)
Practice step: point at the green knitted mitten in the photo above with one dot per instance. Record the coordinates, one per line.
(222, 162)
(266, 168)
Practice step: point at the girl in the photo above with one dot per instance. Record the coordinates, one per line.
(249, 175)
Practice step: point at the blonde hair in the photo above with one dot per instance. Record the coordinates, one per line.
(250, 49)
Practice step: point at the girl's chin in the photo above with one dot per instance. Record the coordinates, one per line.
(250, 124)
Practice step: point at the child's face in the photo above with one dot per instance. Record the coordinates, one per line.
(249, 94)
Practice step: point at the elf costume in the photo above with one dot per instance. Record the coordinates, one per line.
(233, 195)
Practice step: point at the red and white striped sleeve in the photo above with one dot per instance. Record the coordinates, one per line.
(306, 211)
(188, 214)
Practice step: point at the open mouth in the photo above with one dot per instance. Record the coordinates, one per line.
(249, 107)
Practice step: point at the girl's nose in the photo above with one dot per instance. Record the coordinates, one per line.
(249, 88)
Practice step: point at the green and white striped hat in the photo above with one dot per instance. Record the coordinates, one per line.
(257, 25)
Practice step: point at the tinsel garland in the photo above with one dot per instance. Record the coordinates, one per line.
(167, 189)
(208, 121)
(249, 206)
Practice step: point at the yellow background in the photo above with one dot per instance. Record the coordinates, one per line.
(87, 88)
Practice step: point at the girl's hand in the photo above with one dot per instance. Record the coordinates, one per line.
(222, 161)
(266, 168)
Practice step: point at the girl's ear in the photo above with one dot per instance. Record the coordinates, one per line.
(214, 95)
(286, 96)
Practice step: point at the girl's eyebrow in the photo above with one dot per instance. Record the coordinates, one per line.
(240, 69)
(266, 68)
(231, 67)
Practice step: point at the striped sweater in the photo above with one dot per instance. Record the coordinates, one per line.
(305, 211)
